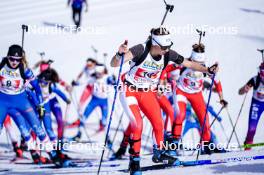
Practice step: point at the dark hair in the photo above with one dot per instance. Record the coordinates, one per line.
(15, 50)
(92, 60)
(159, 31)
(199, 48)
(49, 75)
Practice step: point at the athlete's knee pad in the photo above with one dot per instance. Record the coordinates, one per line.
(131, 149)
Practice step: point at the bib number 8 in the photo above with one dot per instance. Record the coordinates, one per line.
(192, 84)
(8, 83)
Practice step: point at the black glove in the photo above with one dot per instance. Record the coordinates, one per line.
(223, 102)
(41, 111)
(68, 101)
(212, 69)
(74, 83)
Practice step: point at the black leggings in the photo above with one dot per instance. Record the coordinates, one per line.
(76, 16)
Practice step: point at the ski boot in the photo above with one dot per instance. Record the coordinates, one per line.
(17, 150)
(219, 150)
(61, 155)
(118, 155)
(23, 144)
(174, 146)
(164, 156)
(37, 159)
(60, 163)
(77, 138)
(206, 148)
(134, 165)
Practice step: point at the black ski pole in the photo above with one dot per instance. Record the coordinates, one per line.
(42, 54)
(201, 34)
(95, 51)
(118, 125)
(105, 58)
(24, 29)
(169, 8)
(234, 127)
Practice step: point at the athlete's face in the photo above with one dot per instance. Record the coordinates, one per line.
(157, 50)
(14, 62)
(90, 65)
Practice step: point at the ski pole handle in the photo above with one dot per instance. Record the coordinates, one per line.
(24, 28)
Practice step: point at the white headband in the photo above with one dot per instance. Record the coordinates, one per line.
(163, 40)
(199, 57)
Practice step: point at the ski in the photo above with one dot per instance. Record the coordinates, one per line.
(253, 145)
(87, 164)
(16, 159)
(200, 162)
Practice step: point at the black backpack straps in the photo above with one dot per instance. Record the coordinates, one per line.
(257, 82)
(22, 72)
(166, 60)
(182, 70)
(3, 62)
(145, 53)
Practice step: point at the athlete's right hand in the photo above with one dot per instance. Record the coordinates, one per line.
(123, 48)
(75, 83)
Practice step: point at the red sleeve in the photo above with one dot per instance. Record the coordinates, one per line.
(218, 86)
(163, 74)
(169, 68)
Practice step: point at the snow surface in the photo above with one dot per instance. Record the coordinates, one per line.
(117, 20)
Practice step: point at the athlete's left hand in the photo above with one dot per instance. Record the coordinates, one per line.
(213, 69)
(224, 103)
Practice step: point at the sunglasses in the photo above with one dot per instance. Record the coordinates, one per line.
(14, 59)
(44, 82)
(163, 47)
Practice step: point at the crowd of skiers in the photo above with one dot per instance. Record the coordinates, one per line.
(32, 100)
